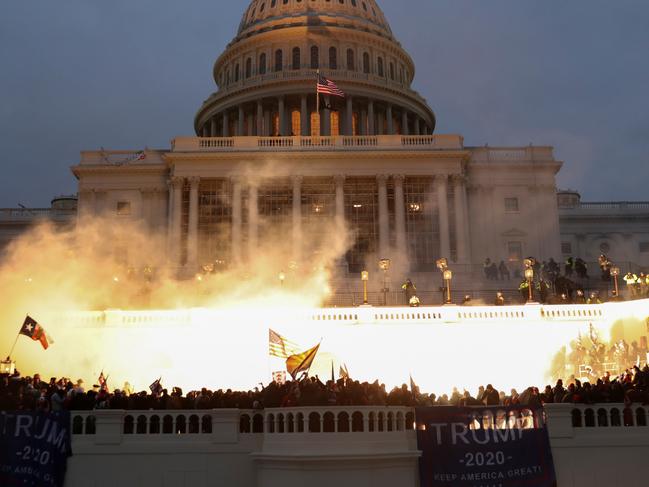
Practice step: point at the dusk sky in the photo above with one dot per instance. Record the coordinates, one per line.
(125, 74)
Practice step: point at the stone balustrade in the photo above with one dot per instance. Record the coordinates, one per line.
(570, 419)
(376, 142)
(592, 445)
(512, 154)
(287, 74)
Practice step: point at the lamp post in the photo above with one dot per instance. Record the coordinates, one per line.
(448, 275)
(615, 272)
(365, 276)
(529, 275)
(384, 265)
(281, 277)
(442, 265)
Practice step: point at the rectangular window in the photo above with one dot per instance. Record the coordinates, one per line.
(644, 247)
(514, 251)
(566, 248)
(511, 204)
(422, 222)
(123, 208)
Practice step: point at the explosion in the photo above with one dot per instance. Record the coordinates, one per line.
(106, 294)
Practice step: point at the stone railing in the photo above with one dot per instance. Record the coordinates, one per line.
(28, 214)
(333, 419)
(342, 143)
(563, 419)
(310, 75)
(610, 416)
(614, 205)
(512, 154)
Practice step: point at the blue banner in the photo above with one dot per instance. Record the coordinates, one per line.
(484, 447)
(34, 448)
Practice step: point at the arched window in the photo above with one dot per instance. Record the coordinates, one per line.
(366, 63)
(248, 68)
(350, 60)
(392, 71)
(262, 63)
(333, 58)
(296, 58)
(236, 73)
(279, 60)
(379, 67)
(315, 57)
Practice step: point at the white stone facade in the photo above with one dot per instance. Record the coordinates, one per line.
(461, 192)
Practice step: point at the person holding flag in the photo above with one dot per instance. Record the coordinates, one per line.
(103, 381)
(156, 388)
(301, 362)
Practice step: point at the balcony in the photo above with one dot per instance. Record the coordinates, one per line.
(288, 74)
(334, 143)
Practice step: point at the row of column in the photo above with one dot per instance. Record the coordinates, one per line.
(461, 222)
(370, 121)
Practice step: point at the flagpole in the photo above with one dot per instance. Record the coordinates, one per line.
(14, 345)
(317, 99)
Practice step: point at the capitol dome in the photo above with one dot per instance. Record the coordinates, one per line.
(266, 77)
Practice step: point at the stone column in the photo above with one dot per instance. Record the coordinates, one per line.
(467, 225)
(260, 119)
(416, 126)
(250, 127)
(441, 182)
(349, 116)
(297, 218)
(170, 212)
(226, 125)
(384, 217)
(400, 215)
(404, 123)
(192, 236)
(460, 228)
(362, 129)
(371, 119)
(282, 115)
(236, 220)
(340, 201)
(214, 128)
(389, 122)
(253, 222)
(176, 252)
(240, 121)
(325, 121)
(268, 127)
(304, 117)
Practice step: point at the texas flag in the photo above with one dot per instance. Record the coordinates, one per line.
(36, 332)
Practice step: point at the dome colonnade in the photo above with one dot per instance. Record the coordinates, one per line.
(267, 75)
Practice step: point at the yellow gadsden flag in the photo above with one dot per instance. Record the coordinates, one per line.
(301, 362)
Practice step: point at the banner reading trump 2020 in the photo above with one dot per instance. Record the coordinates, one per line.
(484, 447)
(34, 448)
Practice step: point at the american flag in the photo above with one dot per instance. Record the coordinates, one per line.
(328, 87)
(278, 346)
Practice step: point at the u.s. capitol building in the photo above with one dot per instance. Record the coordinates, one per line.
(265, 156)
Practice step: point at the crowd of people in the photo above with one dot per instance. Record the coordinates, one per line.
(551, 285)
(32, 393)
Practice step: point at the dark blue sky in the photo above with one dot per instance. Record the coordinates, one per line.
(124, 74)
